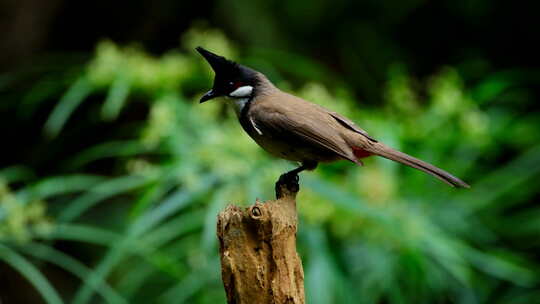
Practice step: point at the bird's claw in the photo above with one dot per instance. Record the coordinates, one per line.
(287, 181)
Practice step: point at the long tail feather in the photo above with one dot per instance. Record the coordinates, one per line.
(387, 152)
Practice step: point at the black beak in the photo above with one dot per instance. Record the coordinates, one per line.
(209, 95)
(220, 65)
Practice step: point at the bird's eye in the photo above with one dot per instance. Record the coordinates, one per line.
(235, 84)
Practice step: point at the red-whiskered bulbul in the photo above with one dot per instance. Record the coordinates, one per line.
(297, 130)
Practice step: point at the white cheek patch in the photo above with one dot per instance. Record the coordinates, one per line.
(244, 91)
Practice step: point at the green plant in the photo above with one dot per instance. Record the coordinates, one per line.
(380, 233)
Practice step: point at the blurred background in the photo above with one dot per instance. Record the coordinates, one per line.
(112, 174)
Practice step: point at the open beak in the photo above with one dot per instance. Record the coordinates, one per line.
(209, 95)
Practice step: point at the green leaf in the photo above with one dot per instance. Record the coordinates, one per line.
(84, 233)
(345, 200)
(112, 149)
(503, 267)
(137, 276)
(502, 180)
(41, 91)
(51, 255)
(175, 202)
(66, 105)
(16, 174)
(208, 239)
(174, 228)
(113, 257)
(101, 192)
(31, 273)
(116, 97)
(59, 185)
(192, 283)
(320, 291)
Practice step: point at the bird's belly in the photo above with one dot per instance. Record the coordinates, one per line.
(294, 151)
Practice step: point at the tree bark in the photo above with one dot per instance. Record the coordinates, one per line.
(257, 246)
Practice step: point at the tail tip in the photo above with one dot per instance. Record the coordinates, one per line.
(459, 184)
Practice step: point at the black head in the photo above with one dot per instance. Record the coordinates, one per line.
(232, 79)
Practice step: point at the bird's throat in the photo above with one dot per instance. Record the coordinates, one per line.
(238, 104)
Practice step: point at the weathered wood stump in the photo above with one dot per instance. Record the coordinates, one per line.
(257, 246)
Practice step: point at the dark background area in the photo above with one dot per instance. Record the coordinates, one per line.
(422, 33)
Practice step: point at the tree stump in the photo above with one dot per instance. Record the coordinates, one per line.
(257, 246)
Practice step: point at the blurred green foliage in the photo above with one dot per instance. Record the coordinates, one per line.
(141, 227)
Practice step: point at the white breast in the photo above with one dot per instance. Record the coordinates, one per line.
(238, 104)
(240, 97)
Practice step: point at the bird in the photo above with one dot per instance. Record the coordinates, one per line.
(297, 130)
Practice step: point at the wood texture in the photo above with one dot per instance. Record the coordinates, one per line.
(259, 262)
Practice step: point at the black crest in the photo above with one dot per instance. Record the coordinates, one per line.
(219, 64)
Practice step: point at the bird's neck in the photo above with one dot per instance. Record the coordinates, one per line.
(263, 87)
(239, 104)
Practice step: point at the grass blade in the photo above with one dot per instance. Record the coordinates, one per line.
(191, 284)
(31, 273)
(53, 256)
(16, 174)
(83, 233)
(101, 192)
(57, 186)
(107, 150)
(116, 97)
(175, 202)
(147, 221)
(67, 104)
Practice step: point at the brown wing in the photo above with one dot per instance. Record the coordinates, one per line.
(344, 121)
(299, 125)
(350, 125)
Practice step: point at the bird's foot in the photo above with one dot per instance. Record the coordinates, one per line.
(287, 184)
